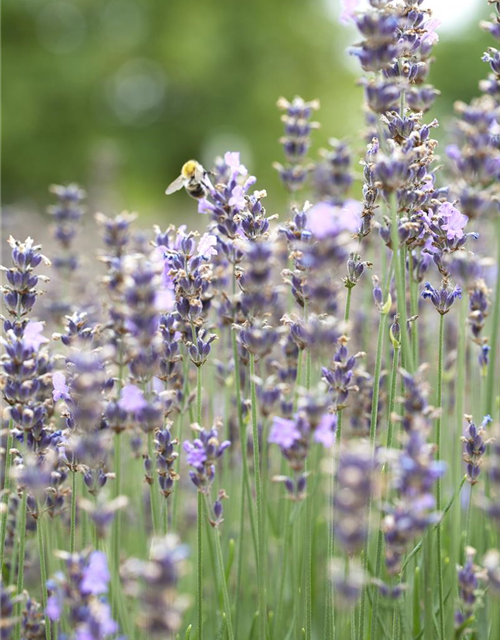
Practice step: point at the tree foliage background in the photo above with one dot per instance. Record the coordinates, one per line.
(117, 94)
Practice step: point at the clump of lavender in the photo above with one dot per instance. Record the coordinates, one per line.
(295, 437)
(468, 589)
(33, 624)
(296, 141)
(153, 584)
(479, 304)
(202, 454)
(7, 603)
(492, 504)
(339, 376)
(415, 472)
(80, 595)
(355, 486)
(475, 448)
(66, 215)
(24, 363)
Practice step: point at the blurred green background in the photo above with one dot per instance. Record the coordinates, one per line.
(117, 94)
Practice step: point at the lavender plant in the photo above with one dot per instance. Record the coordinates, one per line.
(245, 391)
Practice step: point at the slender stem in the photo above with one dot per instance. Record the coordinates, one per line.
(413, 309)
(438, 482)
(469, 512)
(380, 535)
(456, 467)
(20, 570)
(399, 272)
(244, 445)
(199, 541)
(118, 486)
(428, 588)
(373, 433)
(152, 487)
(245, 489)
(43, 573)
(72, 533)
(199, 600)
(347, 312)
(258, 493)
(490, 385)
(5, 497)
(225, 594)
(198, 396)
(330, 608)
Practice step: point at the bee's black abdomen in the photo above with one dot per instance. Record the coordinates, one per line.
(196, 190)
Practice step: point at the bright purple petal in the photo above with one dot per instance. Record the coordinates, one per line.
(206, 245)
(32, 337)
(232, 159)
(132, 399)
(325, 431)
(284, 433)
(61, 389)
(96, 574)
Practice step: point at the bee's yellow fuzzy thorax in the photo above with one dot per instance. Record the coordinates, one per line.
(189, 169)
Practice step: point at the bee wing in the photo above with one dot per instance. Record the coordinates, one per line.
(177, 184)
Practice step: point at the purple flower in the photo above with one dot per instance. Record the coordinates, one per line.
(454, 221)
(232, 159)
(237, 199)
(61, 389)
(206, 246)
(202, 455)
(100, 627)
(132, 399)
(32, 337)
(164, 300)
(204, 206)
(54, 606)
(325, 431)
(325, 219)
(196, 455)
(442, 298)
(96, 574)
(348, 9)
(284, 433)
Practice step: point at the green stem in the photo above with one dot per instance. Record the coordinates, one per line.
(198, 396)
(152, 487)
(469, 512)
(347, 312)
(225, 594)
(399, 272)
(199, 541)
(20, 570)
(244, 446)
(258, 493)
(490, 384)
(116, 537)
(5, 497)
(330, 608)
(43, 572)
(413, 309)
(373, 434)
(72, 533)
(246, 490)
(380, 536)
(428, 588)
(438, 482)
(451, 501)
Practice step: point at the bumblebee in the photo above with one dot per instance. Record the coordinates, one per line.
(193, 178)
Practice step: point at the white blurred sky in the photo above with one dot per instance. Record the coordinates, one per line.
(453, 14)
